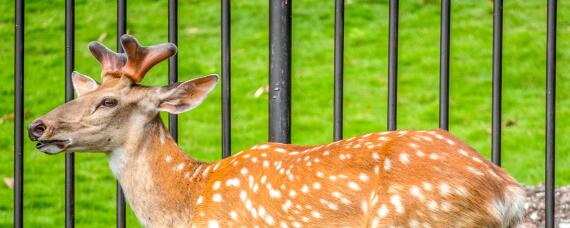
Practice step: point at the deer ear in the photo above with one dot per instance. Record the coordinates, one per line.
(83, 84)
(184, 96)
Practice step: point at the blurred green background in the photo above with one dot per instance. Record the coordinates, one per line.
(313, 29)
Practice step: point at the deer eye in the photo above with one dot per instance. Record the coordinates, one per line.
(108, 102)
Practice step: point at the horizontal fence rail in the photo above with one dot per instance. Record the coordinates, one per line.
(280, 43)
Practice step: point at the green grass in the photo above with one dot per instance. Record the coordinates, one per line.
(365, 83)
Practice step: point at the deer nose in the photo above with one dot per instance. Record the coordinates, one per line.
(36, 129)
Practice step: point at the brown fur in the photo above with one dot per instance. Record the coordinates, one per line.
(358, 208)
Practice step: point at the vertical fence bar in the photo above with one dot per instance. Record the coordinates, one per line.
(393, 65)
(173, 61)
(550, 112)
(280, 71)
(19, 114)
(497, 80)
(69, 67)
(226, 76)
(338, 68)
(444, 65)
(121, 29)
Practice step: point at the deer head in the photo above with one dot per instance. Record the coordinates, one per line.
(102, 116)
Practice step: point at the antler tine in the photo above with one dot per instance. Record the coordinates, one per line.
(135, 62)
(140, 58)
(111, 62)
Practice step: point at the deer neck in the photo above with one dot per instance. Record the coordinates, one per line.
(157, 177)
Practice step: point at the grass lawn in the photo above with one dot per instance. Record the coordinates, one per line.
(365, 83)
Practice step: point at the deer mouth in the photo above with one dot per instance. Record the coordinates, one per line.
(52, 146)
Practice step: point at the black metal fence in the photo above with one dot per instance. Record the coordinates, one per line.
(280, 85)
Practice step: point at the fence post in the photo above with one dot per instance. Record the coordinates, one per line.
(497, 80)
(393, 65)
(550, 113)
(280, 71)
(338, 69)
(19, 114)
(173, 61)
(69, 67)
(121, 29)
(444, 65)
(226, 76)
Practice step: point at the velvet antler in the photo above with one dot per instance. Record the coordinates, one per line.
(136, 60)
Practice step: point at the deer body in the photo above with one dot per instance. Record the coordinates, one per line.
(386, 179)
(399, 178)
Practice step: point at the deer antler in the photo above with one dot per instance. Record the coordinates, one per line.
(136, 60)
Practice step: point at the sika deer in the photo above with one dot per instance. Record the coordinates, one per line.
(396, 178)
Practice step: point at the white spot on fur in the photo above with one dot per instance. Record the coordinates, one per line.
(213, 224)
(217, 198)
(363, 177)
(292, 193)
(216, 185)
(444, 189)
(427, 186)
(420, 153)
(387, 164)
(395, 200)
(274, 193)
(316, 185)
(316, 214)
(375, 156)
(450, 142)
(168, 158)
(383, 211)
(280, 150)
(445, 206)
(234, 215)
(432, 205)
(404, 158)
(463, 152)
(475, 171)
(285, 206)
(434, 156)
(353, 186)
(415, 191)
(233, 182)
(364, 206)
